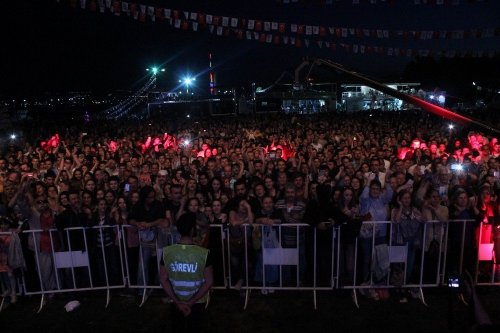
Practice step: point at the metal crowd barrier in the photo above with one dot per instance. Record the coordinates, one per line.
(278, 257)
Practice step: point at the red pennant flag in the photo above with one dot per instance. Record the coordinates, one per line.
(243, 22)
(201, 19)
(159, 13)
(116, 7)
(262, 38)
(258, 25)
(72, 3)
(298, 42)
(300, 30)
(333, 46)
(239, 34)
(93, 6)
(276, 39)
(322, 31)
(282, 27)
(142, 17)
(185, 25)
(176, 14)
(226, 32)
(216, 20)
(338, 32)
(133, 8)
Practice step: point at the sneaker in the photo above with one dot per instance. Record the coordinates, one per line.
(264, 291)
(415, 293)
(403, 300)
(270, 291)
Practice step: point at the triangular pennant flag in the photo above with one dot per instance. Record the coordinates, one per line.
(282, 27)
(193, 17)
(292, 40)
(306, 42)
(262, 38)
(177, 23)
(309, 30)
(269, 38)
(234, 22)
(258, 25)
(274, 25)
(142, 9)
(285, 39)
(352, 31)
(186, 15)
(320, 44)
(276, 39)
(209, 19)
(220, 30)
(293, 28)
(151, 10)
(327, 45)
(251, 24)
(195, 26)
(211, 28)
(167, 12)
(267, 26)
(331, 30)
(201, 19)
(362, 49)
(125, 7)
(83, 4)
(344, 32)
(322, 31)
(225, 21)
(249, 34)
(159, 13)
(390, 51)
(93, 6)
(108, 3)
(355, 48)
(385, 33)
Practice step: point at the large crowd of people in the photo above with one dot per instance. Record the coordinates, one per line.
(322, 170)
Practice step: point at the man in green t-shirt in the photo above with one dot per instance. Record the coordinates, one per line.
(186, 275)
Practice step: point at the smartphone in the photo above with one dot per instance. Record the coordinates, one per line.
(496, 174)
(272, 155)
(457, 167)
(127, 187)
(84, 133)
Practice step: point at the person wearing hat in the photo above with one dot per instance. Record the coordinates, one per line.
(186, 276)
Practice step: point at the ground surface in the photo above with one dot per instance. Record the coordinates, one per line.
(279, 312)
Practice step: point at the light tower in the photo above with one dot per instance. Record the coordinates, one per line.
(211, 75)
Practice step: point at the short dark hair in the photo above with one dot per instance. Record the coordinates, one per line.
(186, 223)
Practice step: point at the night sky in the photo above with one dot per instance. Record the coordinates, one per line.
(50, 47)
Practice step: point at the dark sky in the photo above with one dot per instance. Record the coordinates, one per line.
(52, 47)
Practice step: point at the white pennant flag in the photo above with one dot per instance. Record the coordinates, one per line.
(439, 2)
(380, 34)
(151, 10)
(355, 48)
(220, 30)
(316, 30)
(136, 15)
(292, 40)
(293, 28)
(269, 38)
(249, 34)
(362, 48)
(390, 51)
(225, 21)
(327, 44)
(408, 53)
(309, 30)
(177, 23)
(331, 30)
(256, 35)
(355, 2)
(352, 31)
(167, 12)
(285, 39)
(320, 44)
(195, 26)
(344, 32)
(267, 26)
(142, 8)
(209, 19)
(251, 24)
(306, 42)
(442, 34)
(108, 3)
(125, 7)
(417, 2)
(83, 3)
(153, 18)
(211, 28)
(186, 15)
(366, 32)
(234, 22)
(385, 33)
(194, 16)
(274, 25)
(102, 8)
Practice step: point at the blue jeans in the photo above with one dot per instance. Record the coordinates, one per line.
(145, 255)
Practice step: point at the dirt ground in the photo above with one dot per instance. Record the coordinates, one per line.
(285, 311)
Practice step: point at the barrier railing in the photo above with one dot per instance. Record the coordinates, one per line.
(264, 258)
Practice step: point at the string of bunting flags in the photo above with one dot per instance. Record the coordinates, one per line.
(298, 35)
(390, 2)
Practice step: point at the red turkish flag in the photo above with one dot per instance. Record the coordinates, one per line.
(282, 27)
(258, 25)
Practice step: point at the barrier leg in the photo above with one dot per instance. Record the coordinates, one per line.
(144, 297)
(42, 303)
(315, 300)
(2, 303)
(108, 297)
(421, 294)
(247, 296)
(355, 298)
